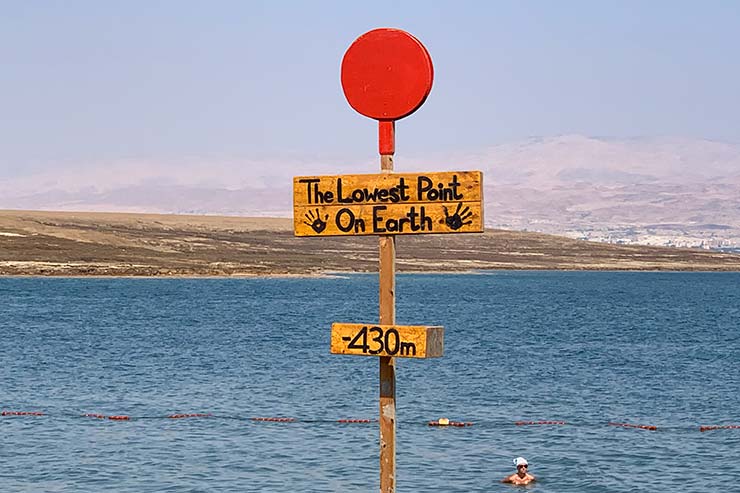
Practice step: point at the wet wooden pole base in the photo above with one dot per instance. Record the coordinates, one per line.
(387, 281)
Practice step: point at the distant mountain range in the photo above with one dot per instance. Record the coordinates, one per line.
(667, 191)
(664, 191)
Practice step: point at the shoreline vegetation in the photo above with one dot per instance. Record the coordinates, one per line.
(97, 244)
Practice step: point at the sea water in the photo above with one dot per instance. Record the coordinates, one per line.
(657, 349)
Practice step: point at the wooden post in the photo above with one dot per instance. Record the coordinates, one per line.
(387, 281)
(387, 74)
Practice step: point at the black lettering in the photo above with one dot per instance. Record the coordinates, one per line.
(388, 342)
(408, 348)
(378, 219)
(359, 225)
(393, 225)
(427, 192)
(308, 182)
(423, 185)
(340, 199)
(394, 348)
(443, 192)
(453, 185)
(322, 197)
(412, 215)
(364, 195)
(379, 339)
(373, 196)
(362, 334)
(345, 228)
(425, 220)
(402, 187)
(406, 220)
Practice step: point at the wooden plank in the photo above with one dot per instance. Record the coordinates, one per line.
(400, 341)
(388, 188)
(388, 219)
(388, 203)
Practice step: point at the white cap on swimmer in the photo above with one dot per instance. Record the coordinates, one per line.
(521, 461)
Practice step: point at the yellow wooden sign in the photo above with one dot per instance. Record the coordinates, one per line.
(388, 203)
(404, 341)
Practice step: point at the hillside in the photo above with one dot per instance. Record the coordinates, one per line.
(115, 244)
(661, 191)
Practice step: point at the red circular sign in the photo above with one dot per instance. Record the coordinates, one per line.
(387, 74)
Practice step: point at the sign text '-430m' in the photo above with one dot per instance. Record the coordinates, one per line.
(407, 341)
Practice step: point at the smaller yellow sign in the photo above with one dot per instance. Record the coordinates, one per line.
(403, 341)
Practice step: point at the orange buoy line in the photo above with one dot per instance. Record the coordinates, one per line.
(278, 420)
(123, 417)
(441, 422)
(718, 427)
(521, 423)
(119, 417)
(447, 422)
(628, 425)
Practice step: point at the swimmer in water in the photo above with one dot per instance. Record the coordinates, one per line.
(522, 475)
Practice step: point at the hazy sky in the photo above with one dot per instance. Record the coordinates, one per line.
(99, 81)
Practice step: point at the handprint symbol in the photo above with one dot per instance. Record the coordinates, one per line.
(315, 221)
(458, 219)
